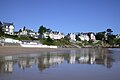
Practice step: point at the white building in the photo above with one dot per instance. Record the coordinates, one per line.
(72, 36)
(53, 35)
(9, 40)
(32, 33)
(118, 36)
(92, 37)
(28, 32)
(84, 37)
(87, 36)
(23, 32)
(8, 28)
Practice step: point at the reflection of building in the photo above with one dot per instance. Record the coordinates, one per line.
(46, 62)
(88, 59)
(84, 59)
(56, 60)
(22, 64)
(8, 66)
(72, 58)
(26, 63)
(84, 56)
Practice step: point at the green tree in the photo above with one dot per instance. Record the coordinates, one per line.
(117, 42)
(90, 42)
(0, 27)
(24, 28)
(109, 31)
(0, 23)
(100, 35)
(48, 30)
(42, 29)
(111, 39)
(49, 41)
(85, 42)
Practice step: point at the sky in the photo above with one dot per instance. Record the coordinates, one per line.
(62, 15)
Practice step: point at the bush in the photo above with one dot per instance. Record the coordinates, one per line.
(48, 41)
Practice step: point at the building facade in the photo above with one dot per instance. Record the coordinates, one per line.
(87, 36)
(8, 28)
(118, 36)
(84, 36)
(53, 35)
(72, 36)
(27, 32)
(92, 36)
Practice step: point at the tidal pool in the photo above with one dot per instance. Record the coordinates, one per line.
(83, 64)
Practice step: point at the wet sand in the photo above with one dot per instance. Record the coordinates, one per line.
(22, 50)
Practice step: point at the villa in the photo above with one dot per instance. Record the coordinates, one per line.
(72, 36)
(27, 32)
(53, 35)
(92, 36)
(84, 36)
(118, 36)
(7, 28)
(87, 36)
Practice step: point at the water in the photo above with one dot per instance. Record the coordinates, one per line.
(83, 64)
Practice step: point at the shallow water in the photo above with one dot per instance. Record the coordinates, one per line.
(83, 64)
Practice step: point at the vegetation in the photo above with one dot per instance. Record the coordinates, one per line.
(100, 35)
(49, 41)
(42, 29)
(16, 37)
(109, 31)
(117, 42)
(104, 38)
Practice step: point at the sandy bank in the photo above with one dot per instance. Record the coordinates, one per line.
(22, 50)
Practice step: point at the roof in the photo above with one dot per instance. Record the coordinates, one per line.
(7, 24)
(0, 23)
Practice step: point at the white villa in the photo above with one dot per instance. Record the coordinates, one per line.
(53, 35)
(118, 36)
(87, 36)
(8, 28)
(9, 40)
(28, 32)
(92, 37)
(84, 36)
(72, 36)
(23, 32)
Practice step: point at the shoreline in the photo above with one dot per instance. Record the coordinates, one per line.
(16, 50)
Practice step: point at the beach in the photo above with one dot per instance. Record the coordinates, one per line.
(59, 64)
(8, 50)
(22, 50)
